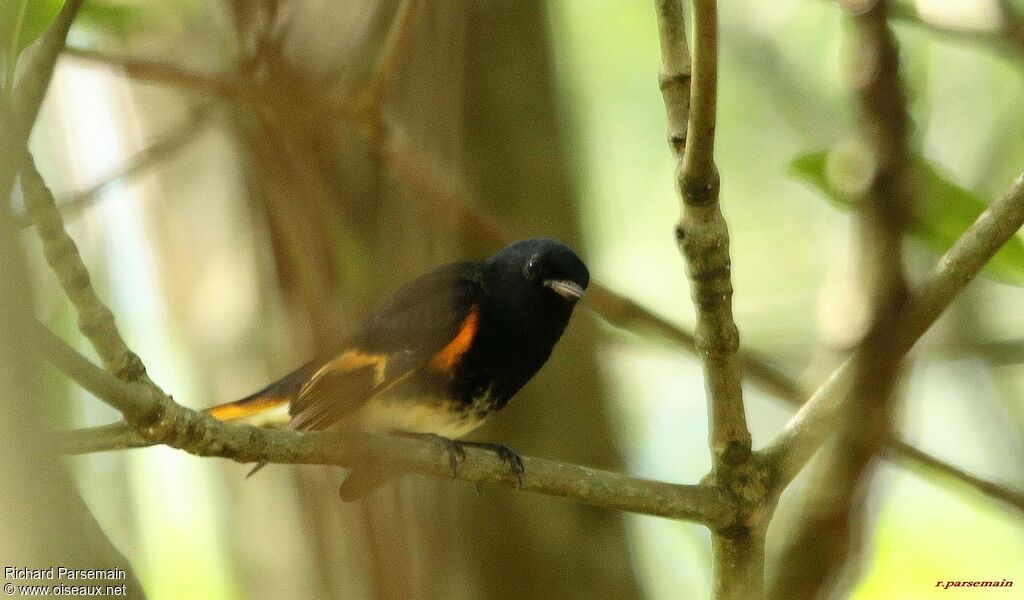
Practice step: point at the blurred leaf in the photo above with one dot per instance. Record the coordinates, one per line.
(811, 168)
(944, 212)
(111, 17)
(21, 22)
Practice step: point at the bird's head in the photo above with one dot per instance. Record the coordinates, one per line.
(537, 272)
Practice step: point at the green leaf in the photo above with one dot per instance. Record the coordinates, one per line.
(21, 22)
(944, 210)
(111, 17)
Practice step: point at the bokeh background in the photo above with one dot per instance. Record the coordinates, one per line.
(272, 200)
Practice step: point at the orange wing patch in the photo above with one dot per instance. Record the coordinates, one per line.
(450, 355)
(352, 360)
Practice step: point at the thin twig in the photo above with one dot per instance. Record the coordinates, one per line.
(698, 156)
(1007, 39)
(102, 438)
(902, 453)
(224, 86)
(166, 145)
(160, 420)
(136, 401)
(910, 455)
(221, 86)
(386, 67)
(1000, 353)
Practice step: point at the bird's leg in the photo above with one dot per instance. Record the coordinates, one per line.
(454, 450)
(507, 455)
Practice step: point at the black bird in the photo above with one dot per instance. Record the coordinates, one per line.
(438, 358)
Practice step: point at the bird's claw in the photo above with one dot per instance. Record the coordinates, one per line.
(456, 454)
(507, 456)
(454, 450)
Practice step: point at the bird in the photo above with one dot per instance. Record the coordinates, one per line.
(437, 359)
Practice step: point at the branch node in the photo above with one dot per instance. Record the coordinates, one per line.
(132, 367)
(700, 192)
(721, 342)
(93, 320)
(675, 82)
(736, 531)
(677, 141)
(736, 453)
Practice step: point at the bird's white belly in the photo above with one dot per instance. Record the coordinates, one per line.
(413, 416)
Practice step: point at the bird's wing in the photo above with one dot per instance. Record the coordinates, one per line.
(428, 324)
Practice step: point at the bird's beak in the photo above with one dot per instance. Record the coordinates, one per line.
(570, 290)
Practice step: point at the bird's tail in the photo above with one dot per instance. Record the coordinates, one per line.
(255, 410)
(267, 407)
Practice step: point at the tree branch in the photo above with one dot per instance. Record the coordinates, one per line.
(914, 456)
(102, 438)
(699, 175)
(136, 401)
(94, 318)
(703, 237)
(961, 264)
(702, 232)
(676, 76)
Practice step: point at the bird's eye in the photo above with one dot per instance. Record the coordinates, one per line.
(532, 268)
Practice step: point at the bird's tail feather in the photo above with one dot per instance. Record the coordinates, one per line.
(258, 409)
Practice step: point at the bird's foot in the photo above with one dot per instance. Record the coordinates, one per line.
(507, 455)
(454, 449)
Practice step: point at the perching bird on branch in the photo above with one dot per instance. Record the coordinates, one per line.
(439, 357)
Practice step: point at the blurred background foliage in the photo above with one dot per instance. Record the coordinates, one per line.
(275, 194)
